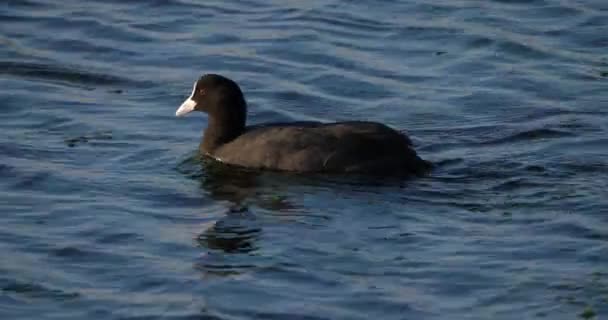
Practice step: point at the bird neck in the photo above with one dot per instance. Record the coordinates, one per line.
(221, 130)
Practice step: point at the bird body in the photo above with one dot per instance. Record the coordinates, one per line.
(340, 147)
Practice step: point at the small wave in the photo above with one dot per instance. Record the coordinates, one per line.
(28, 4)
(534, 134)
(515, 184)
(280, 315)
(230, 238)
(222, 269)
(585, 167)
(570, 229)
(58, 73)
(74, 141)
(35, 290)
(29, 181)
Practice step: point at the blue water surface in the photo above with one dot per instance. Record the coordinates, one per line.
(107, 213)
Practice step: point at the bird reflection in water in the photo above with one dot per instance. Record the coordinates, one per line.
(229, 244)
(240, 186)
(232, 234)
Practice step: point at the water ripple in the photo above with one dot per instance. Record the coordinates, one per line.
(106, 212)
(55, 73)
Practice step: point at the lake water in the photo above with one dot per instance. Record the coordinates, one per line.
(106, 213)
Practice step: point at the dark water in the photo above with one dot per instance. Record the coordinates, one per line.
(106, 214)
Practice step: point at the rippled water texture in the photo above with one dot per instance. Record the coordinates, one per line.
(105, 212)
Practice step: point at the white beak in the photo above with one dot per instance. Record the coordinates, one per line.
(188, 105)
(185, 108)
